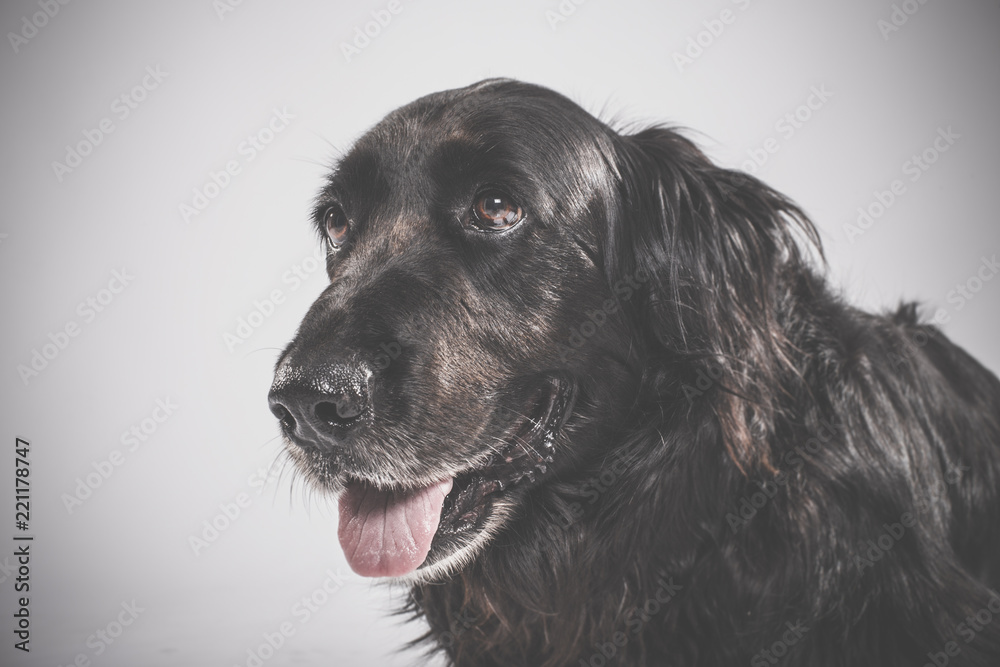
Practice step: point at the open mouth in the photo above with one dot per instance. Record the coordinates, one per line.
(393, 533)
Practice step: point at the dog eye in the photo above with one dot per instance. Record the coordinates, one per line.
(337, 225)
(494, 211)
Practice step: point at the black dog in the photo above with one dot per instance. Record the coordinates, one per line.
(584, 392)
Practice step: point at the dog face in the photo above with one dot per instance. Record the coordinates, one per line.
(469, 333)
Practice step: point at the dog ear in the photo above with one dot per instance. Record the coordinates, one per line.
(714, 249)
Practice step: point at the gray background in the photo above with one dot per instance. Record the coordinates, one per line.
(163, 335)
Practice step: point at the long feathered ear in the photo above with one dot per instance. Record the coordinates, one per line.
(718, 248)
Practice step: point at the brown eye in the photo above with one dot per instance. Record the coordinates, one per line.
(337, 225)
(493, 211)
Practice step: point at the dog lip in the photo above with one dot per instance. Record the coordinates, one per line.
(526, 438)
(524, 461)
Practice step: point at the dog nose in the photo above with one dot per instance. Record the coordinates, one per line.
(320, 404)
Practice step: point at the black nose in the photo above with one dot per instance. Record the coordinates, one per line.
(320, 404)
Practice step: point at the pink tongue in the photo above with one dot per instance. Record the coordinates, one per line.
(386, 534)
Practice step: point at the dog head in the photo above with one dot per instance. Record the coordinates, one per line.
(511, 282)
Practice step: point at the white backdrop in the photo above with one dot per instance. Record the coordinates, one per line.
(125, 365)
